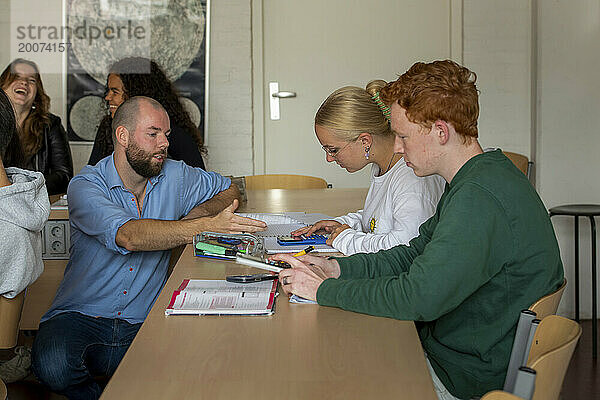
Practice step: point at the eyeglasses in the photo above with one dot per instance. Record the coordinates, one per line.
(334, 152)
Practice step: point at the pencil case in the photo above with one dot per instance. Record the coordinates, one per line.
(301, 240)
(225, 246)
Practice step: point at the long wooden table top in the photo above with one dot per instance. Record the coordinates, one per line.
(303, 351)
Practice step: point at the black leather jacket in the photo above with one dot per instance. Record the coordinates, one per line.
(54, 157)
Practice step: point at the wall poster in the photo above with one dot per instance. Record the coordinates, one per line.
(171, 32)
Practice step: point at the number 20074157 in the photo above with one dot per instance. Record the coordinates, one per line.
(40, 47)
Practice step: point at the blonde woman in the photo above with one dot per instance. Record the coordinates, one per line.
(353, 128)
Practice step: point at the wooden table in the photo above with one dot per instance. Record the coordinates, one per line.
(301, 352)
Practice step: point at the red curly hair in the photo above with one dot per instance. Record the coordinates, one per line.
(441, 90)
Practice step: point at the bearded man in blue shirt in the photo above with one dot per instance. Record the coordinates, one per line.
(126, 213)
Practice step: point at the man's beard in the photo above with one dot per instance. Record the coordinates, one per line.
(141, 161)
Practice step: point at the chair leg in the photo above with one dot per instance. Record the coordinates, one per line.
(594, 305)
(577, 268)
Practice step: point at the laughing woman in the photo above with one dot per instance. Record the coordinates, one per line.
(353, 128)
(41, 135)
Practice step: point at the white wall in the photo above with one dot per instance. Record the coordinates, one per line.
(229, 133)
(568, 139)
(4, 32)
(497, 45)
(537, 64)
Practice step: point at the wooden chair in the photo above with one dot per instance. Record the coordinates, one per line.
(280, 181)
(524, 334)
(521, 161)
(10, 314)
(500, 395)
(553, 345)
(550, 352)
(548, 305)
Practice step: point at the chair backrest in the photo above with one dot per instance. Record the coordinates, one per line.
(525, 332)
(500, 395)
(553, 345)
(10, 314)
(280, 181)
(521, 161)
(548, 304)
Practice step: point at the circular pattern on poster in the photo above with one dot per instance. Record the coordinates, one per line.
(192, 110)
(85, 116)
(170, 32)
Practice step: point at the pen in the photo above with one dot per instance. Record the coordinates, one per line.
(303, 252)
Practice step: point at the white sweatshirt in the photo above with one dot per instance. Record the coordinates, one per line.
(24, 209)
(397, 203)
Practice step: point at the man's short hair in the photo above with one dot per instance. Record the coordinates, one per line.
(8, 124)
(128, 112)
(441, 90)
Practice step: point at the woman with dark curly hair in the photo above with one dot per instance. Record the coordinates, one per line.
(137, 76)
(43, 140)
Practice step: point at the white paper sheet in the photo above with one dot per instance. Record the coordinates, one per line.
(282, 225)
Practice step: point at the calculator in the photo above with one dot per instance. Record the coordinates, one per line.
(301, 240)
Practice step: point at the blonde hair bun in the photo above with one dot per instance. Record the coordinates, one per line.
(375, 86)
(350, 111)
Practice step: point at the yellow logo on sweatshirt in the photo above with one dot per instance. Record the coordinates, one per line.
(372, 225)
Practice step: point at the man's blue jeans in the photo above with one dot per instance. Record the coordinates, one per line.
(71, 348)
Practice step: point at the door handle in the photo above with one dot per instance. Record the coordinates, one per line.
(274, 96)
(284, 95)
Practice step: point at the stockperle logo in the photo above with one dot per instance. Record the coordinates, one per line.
(85, 31)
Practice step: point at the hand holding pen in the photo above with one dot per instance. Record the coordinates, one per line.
(307, 274)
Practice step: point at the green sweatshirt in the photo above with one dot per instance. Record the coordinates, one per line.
(487, 253)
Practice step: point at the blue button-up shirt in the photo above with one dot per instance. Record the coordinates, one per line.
(103, 279)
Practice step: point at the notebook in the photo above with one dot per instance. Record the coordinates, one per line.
(219, 297)
(282, 225)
